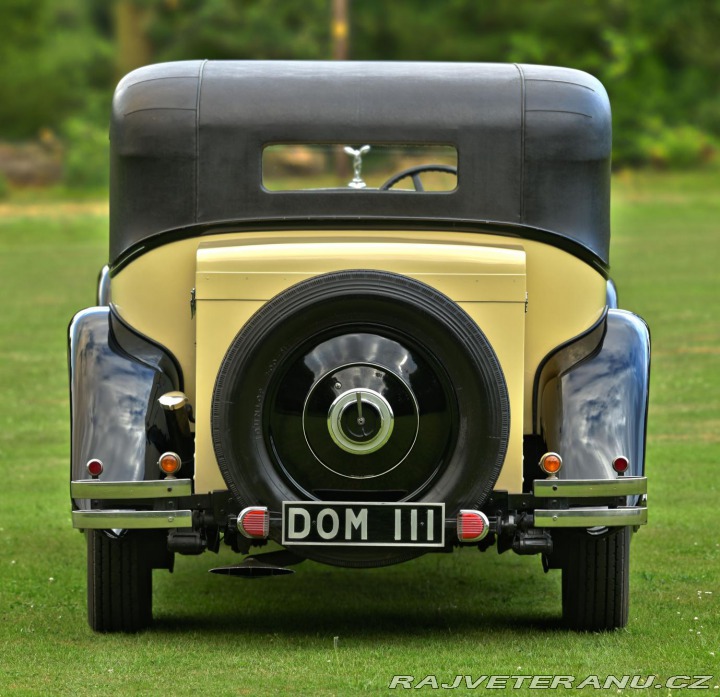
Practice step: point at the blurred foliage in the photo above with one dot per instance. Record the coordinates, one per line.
(87, 157)
(677, 147)
(51, 56)
(659, 59)
(251, 29)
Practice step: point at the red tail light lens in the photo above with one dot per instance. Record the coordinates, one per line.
(472, 526)
(620, 464)
(94, 467)
(254, 522)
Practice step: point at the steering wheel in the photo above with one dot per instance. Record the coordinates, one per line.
(414, 173)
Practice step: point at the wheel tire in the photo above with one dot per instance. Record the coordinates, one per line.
(119, 583)
(595, 581)
(337, 307)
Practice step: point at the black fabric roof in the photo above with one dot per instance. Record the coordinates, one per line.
(186, 145)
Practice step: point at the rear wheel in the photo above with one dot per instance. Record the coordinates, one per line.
(595, 581)
(119, 582)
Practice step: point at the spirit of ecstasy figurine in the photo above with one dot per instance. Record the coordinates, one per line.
(357, 182)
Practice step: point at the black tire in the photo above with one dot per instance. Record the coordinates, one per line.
(119, 582)
(266, 362)
(595, 581)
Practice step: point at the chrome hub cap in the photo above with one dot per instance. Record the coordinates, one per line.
(360, 421)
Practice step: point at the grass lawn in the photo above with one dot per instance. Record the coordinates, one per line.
(332, 631)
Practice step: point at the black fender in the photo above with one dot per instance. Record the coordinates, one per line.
(116, 377)
(596, 409)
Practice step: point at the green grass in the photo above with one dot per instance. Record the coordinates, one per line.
(464, 613)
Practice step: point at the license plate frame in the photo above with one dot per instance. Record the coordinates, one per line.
(363, 524)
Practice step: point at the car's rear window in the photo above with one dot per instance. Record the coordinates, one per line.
(358, 166)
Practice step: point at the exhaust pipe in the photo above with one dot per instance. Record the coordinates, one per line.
(262, 565)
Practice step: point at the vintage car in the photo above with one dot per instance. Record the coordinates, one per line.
(361, 311)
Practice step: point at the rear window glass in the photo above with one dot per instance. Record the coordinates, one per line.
(357, 166)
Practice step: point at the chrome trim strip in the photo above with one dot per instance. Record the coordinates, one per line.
(150, 489)
(590, 517)
(622, 486)
(103, 289)
(131, 520)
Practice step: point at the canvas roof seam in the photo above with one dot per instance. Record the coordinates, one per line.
(201, 71)
(563, 111)
(562, 82)
(157, 79)
(158, 108)
(522, 141)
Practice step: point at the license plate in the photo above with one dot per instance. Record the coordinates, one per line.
(342, 523)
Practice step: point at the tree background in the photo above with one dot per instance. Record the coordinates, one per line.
(659, 59)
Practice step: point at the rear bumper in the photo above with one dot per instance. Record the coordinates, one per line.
(151, 489)
(590, 517)
(152, 492)
(131, 520)
(567, 502)
(556, 503)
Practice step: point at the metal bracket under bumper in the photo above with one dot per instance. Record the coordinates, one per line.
(131, 520)
(591, 517)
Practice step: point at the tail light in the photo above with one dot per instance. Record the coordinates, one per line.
(94, 468)
(620, 464)
(472, 526)
(254, 522)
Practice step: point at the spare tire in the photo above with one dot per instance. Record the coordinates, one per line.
(360, 386)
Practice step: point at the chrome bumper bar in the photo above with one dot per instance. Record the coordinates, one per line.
(122, 519)
(590, 516)
(150, 489)
(131, 520)
(589, 488)
(572, 489)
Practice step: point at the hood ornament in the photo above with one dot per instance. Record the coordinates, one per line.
(357, 182)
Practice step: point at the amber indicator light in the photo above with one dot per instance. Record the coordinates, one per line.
(550, 463)
(170, 463)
